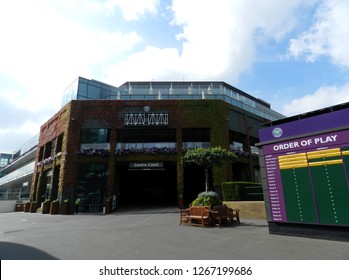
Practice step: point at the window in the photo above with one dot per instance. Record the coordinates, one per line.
(95, 135)
(49, 147)
(196, 138)
(59, 144)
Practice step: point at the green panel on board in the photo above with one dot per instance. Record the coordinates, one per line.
(298, 195)
(331, 192)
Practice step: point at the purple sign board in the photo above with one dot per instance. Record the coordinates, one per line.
(306, 164)
(304, 126)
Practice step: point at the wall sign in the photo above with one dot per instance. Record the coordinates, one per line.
(146, 165)
(146, 119)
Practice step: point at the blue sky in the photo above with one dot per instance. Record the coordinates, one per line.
(292, 54)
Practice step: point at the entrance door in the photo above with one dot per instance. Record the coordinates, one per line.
(194, 182)
(148, 186)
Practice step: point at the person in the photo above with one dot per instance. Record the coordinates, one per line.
(77, 201)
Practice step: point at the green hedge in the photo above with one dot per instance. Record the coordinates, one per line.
(242, 191)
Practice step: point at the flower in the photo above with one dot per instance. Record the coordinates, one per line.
(150, 151)
(94, 152)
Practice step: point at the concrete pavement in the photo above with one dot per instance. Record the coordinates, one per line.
(150, 234)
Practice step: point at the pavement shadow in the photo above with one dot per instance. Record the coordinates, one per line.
(253, 224)
(145, 210)
(14, 251)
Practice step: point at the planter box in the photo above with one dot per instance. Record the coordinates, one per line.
(54, 207)
(46, 207)
(33, 207)
(19, 207)
(107, 207)
(27, 207)
(65, 208)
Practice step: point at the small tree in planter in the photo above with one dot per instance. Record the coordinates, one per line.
(207, 158)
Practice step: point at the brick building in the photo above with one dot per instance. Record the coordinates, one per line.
(125, 144)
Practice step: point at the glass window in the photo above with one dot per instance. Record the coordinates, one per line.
(95, 135)
(92, 186)
(59, 144)
(82, 89)
(238, 146)
(254, 150)
(48, 149)
(93, 92)
(3, 162)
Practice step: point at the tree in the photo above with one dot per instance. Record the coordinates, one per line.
(208, 157)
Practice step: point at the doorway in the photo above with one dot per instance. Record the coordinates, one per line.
(92, 186)
(147, 186)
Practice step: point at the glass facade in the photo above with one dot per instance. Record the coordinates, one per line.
(19, 190)
(92, 186)
(18, 173)
(84, 89)
(4, 160)
(28, 146)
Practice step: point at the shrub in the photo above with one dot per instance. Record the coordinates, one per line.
(242, 191)
(207, 199)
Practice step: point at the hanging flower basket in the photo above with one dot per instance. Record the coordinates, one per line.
(148, 151)
(94, 152)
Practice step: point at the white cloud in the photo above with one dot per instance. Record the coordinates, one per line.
(218, 40)
(46, 44)
(323, 97)
(328, 36)
(131, 9)
(44, 51)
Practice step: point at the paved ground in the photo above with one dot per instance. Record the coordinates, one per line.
(150, 234)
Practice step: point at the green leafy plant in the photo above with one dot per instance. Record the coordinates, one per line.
(242, 191)
(207, 199)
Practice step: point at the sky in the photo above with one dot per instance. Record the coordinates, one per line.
(292, 54)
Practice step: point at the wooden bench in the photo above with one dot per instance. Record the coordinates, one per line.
(200, 215)
(224, 213)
